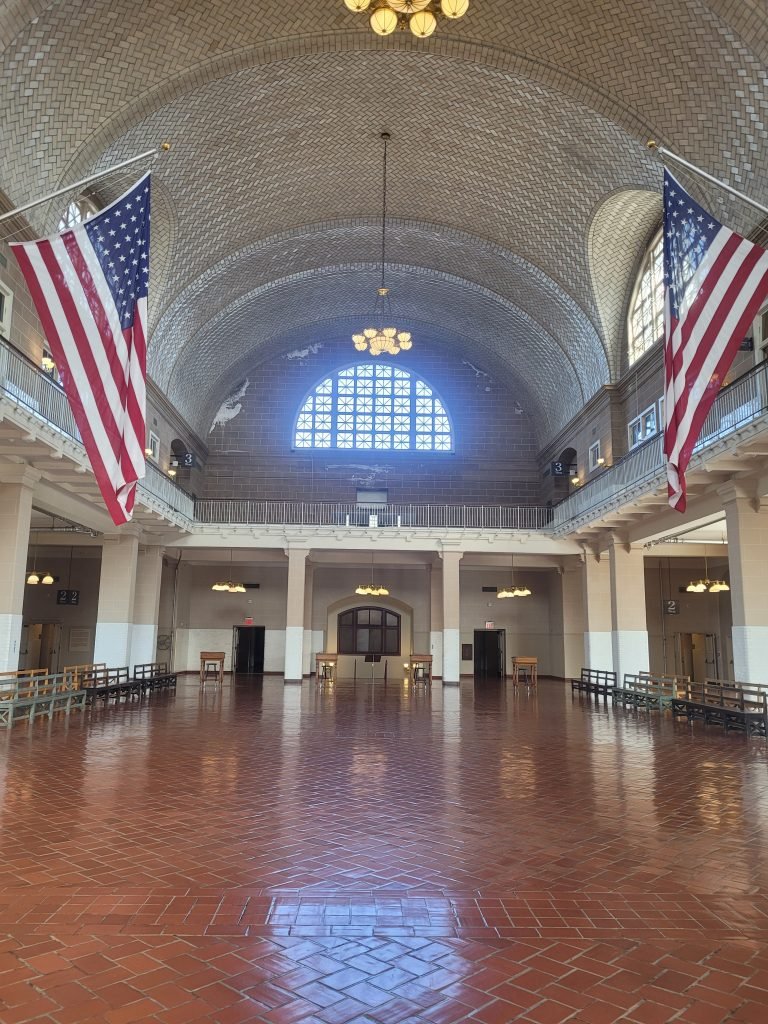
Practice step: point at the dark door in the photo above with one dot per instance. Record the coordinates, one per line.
(248, 643)
(489, 653)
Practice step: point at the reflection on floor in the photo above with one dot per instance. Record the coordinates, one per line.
(378, 854)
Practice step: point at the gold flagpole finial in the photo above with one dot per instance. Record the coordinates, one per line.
(652, 144)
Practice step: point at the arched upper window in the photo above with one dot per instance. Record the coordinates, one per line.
(368, 631)
(646, 314)
(374, 406)
(78, 211)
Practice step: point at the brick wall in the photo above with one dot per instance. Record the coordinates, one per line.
(494, 461)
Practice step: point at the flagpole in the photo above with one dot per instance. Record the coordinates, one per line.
(84, 181)
(653, 145)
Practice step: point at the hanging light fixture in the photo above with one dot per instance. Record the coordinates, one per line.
(513, 590)
(371, 589)
(707, 585)
(228, 586)
(420, 16)
(35, 577)
(383, 339)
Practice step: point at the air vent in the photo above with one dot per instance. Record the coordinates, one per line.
(490, 590)
(252, 586)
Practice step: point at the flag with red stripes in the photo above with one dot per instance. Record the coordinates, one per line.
(89, 285)
(715, 282)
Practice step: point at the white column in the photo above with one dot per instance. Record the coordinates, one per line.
(16, 489)
(146, 605)
(451, 617)
(572, 620)
(436, 619)
(294, 616)
(629, 629)
(307, 664)
(596, 600)
(117, 587)
(747, 524)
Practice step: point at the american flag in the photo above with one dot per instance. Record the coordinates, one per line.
(715, 282)
(89, 286)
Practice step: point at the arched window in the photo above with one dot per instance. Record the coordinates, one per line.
(369, 631)
(78, 211)
(646, 314)
(374, 406)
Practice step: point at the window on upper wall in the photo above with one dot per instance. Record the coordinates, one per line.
(642, 427)
(78, 211)
(6, 307)
(373, 406)
(646, 311)
(595, 457)
(369, 631)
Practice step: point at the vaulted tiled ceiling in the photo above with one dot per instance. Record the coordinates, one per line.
(521, 191)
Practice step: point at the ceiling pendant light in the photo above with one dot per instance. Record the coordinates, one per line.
(420, 16)
(514, 590)
(228, 586)
(371, 589)
(707, 585)
(384, 339)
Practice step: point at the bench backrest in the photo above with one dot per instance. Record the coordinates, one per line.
(100, 675)
(725, 694)
(75, 674)
(28, 687)
(656, 686)
(598, 675)
(149, 669)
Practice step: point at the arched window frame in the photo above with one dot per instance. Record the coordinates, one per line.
(645, 320)
(357, 636)
(77, 212)
(344, 420)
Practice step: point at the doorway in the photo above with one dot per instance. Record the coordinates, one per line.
(490, 653)
(248, 649)
(697, 655)
(40, 645)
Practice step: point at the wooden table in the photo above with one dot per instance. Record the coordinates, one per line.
(420, 668)
(325, 667)
(525, 670)
(211, 667)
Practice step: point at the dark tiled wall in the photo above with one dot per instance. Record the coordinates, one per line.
(494, 461)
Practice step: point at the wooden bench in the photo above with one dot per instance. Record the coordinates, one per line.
(731, 705)
(109, 682)
(644, 690)
(154, 675)
(27, 694)
(78, 672)
(595, 680)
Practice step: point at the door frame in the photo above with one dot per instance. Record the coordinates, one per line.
(501, 636)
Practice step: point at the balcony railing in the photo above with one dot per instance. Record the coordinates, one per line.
(341, 514)
(643, 468)
(35, 392)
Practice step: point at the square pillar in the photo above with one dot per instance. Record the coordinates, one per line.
(307, 664)
(146, 605)
(16, 490)
(117, 588)
(629, 628)
(451, 617)
(436, 620)
(571, 621)
(294, 614)
(596, 601)
(747, 523)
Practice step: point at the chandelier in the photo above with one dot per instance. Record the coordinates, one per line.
(371, 589)
(513, 590)
(420, 16)
(228, 586)
(35, 577)
(707, 585)
(379, 340)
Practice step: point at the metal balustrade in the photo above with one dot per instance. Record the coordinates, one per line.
(346, 514)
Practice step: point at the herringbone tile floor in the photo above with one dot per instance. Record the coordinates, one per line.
(374, 855)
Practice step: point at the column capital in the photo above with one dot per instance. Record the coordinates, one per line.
(296, 552)
(732, 491)
(19, 473)
(445, 553)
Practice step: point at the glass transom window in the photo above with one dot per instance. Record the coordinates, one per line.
(646, 317)
(371, 406)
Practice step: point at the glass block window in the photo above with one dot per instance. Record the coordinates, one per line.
(646, 314)
(371, 406)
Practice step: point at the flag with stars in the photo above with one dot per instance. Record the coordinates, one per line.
(89, 285)
(714, 282)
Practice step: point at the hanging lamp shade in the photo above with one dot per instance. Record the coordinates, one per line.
(423, 24)
(383, 21)
(408, 6)
(47, 579)
(357, 5)
(454, 8)
(33, 578)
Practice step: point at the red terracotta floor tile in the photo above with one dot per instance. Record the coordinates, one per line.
(292, 856)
